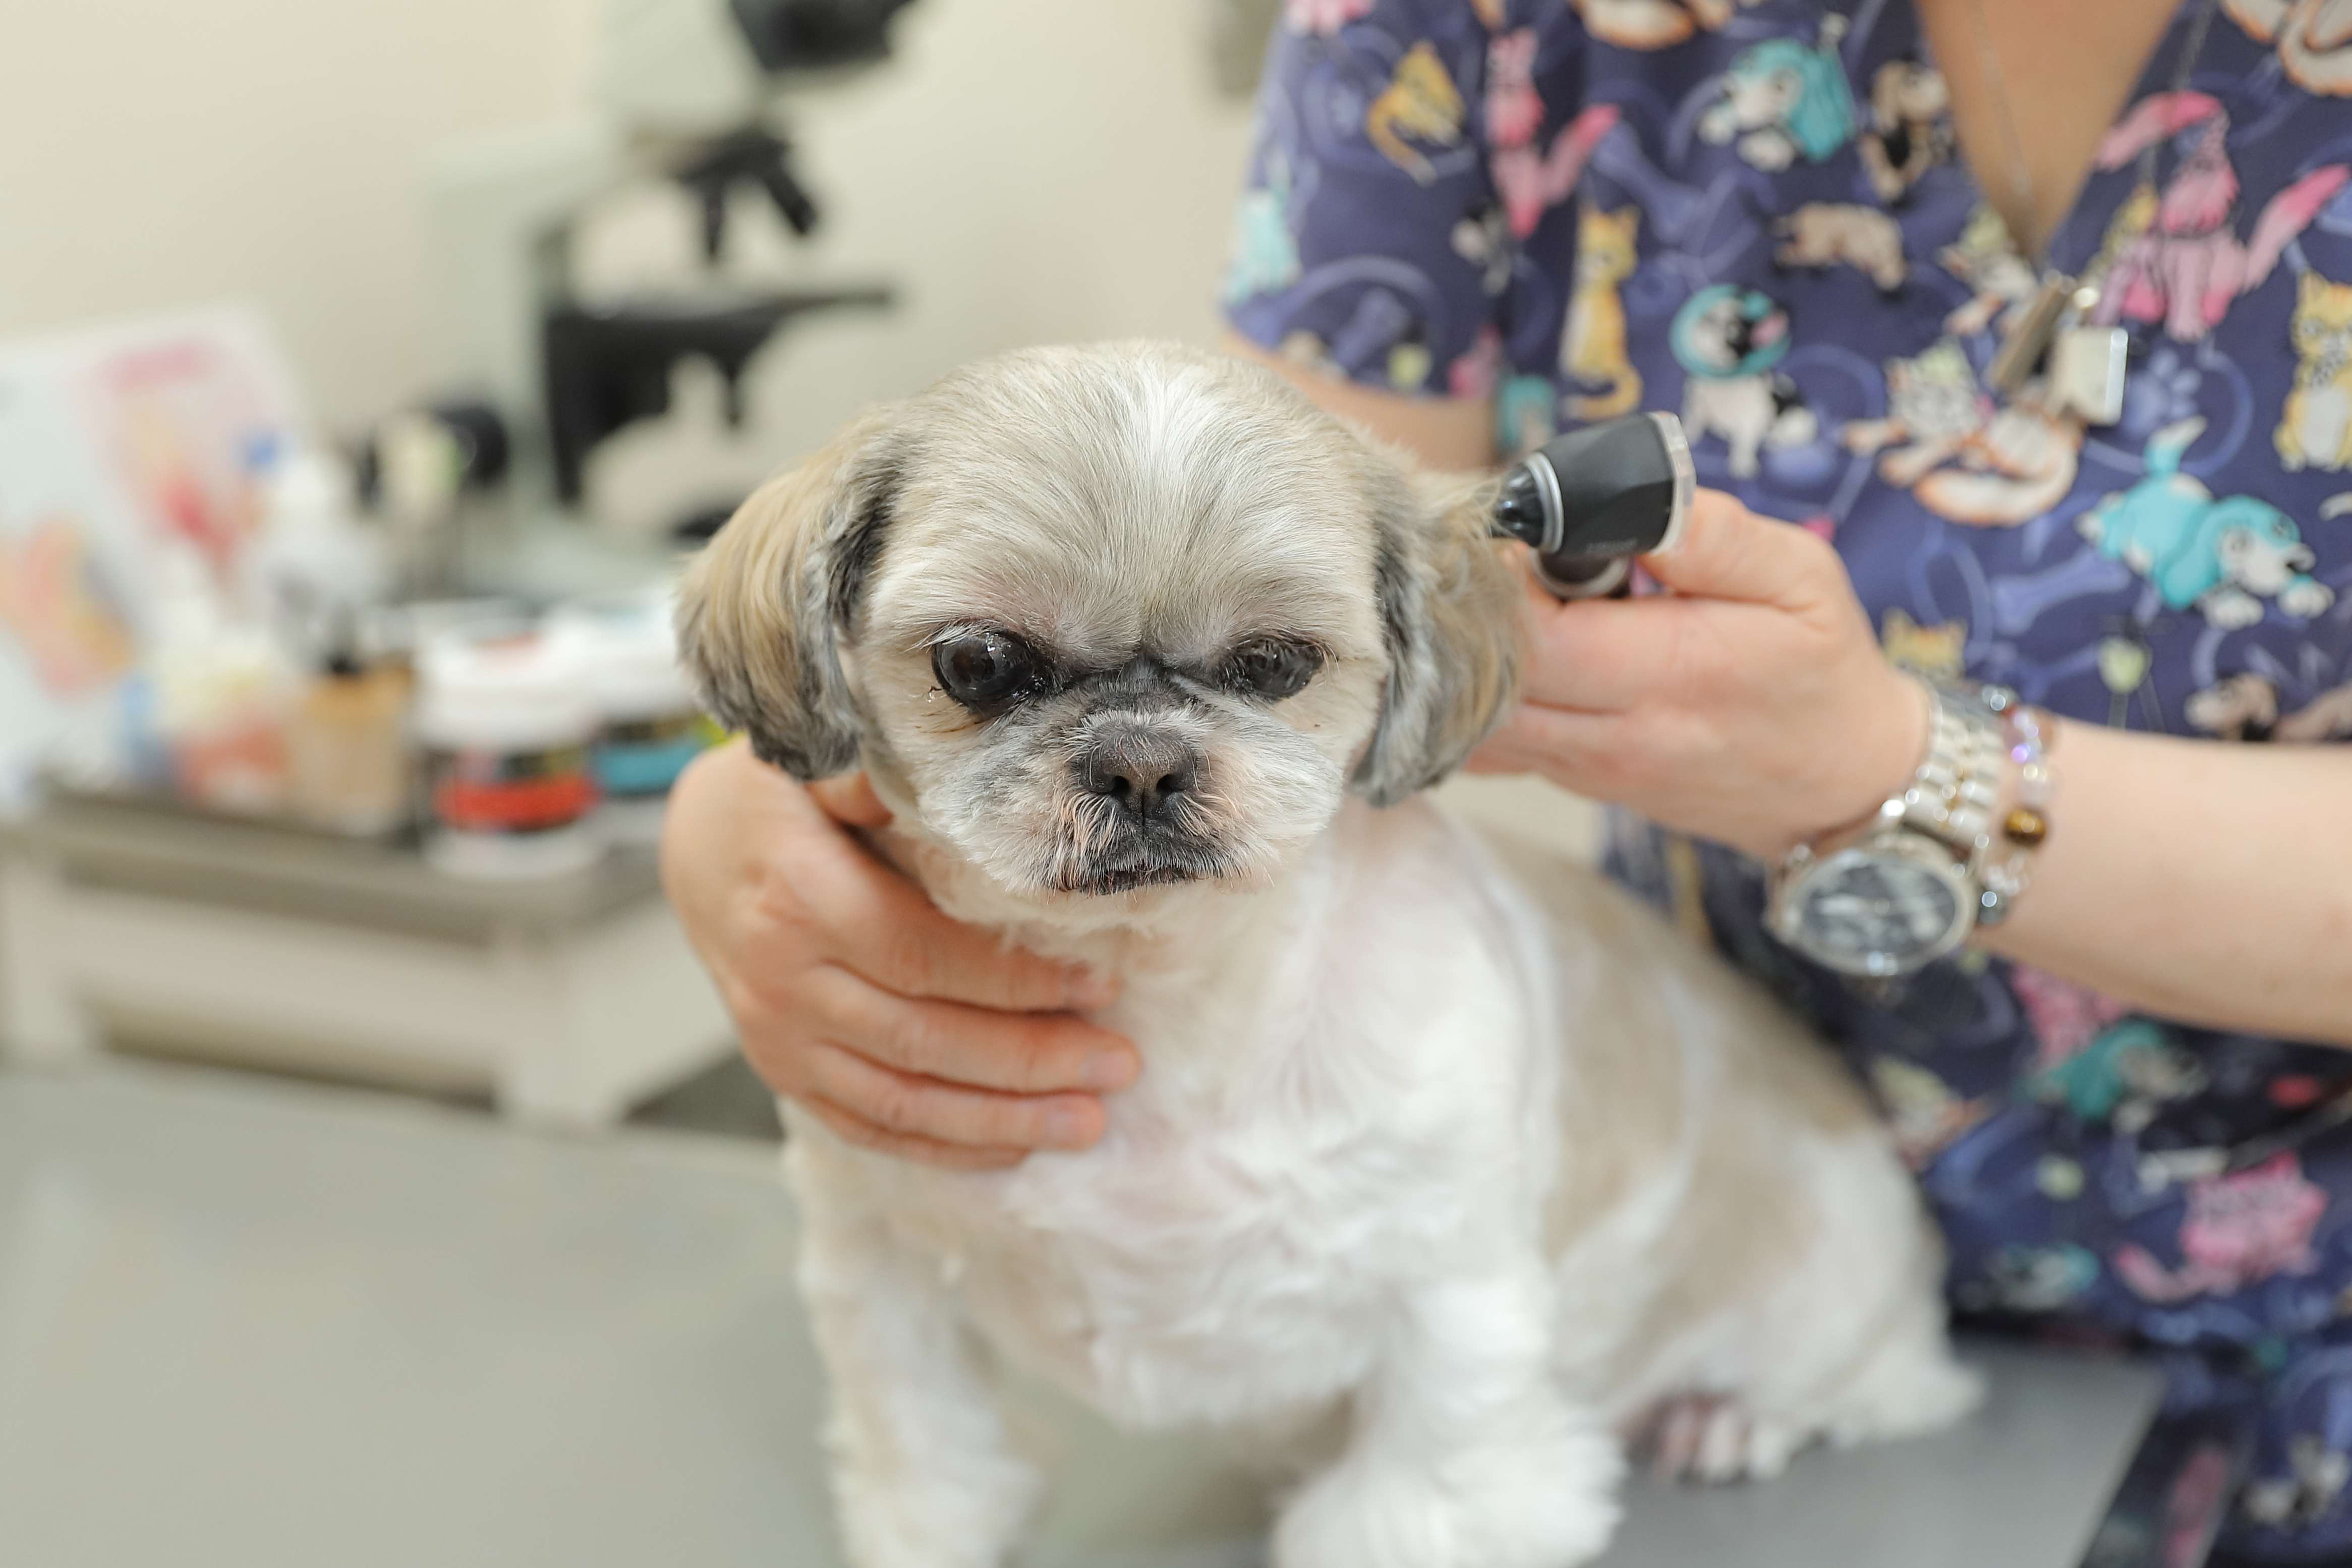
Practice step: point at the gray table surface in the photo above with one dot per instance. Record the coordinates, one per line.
(270, 1325)
(384, 884)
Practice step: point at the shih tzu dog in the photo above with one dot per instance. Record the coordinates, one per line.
(1440, 1177)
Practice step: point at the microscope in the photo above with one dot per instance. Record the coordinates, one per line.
(687, 90)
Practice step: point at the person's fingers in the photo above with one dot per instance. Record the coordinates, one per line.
(1730, 552)
(1020, 1053)
(881, 925)
(1509, 750)
(1604, 757)
(850, 800)
(1602, 655)
(855, 1129)
(915, 1106)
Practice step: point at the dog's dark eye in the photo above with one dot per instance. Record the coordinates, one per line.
(985, 671)
(1273, 668)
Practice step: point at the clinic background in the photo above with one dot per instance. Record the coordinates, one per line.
(1022, 170)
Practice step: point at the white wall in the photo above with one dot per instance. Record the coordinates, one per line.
(155, 154)
(1027, 170)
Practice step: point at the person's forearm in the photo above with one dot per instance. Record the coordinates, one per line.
(2205, 883)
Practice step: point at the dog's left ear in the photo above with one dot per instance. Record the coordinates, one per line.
(760, 610)
(1451, 615)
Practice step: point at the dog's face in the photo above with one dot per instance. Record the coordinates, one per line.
(1108, 620)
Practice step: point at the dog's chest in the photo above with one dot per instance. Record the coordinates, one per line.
(1188, 1275)
(1313, 1133)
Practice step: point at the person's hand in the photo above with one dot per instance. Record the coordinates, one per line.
(900, 1028)
(1750, 706)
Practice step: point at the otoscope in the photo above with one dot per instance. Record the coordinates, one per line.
(1587, 502)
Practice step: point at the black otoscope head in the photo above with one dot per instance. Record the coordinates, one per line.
(1590, 500)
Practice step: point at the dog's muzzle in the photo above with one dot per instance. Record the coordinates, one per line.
(1142, 812)
(1143, 773)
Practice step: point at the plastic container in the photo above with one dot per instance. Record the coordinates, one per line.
(347, 749)
(650, 726)
(505, 723)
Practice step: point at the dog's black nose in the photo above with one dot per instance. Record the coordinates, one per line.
(1138, 769)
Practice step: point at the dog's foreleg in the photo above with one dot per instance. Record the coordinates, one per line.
(1465, 1453)
(923, 1476)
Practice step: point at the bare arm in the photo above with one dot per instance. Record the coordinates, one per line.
(2206, 882)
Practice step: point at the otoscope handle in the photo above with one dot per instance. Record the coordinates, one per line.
(1589, 501)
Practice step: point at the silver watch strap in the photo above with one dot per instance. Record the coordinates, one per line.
(1952, 794)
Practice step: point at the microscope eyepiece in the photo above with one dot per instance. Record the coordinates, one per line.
(1589, 501)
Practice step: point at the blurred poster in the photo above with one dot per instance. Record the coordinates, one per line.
(118, 447)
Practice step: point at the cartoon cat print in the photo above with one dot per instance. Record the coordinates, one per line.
(2313, 39)
(1936, 653)
(1933, 407)
(1910, 128)
(1420, 101)
(2314, 428)
(1593, 346)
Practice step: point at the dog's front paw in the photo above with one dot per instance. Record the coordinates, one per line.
(1545, 1504)
(967, 1515)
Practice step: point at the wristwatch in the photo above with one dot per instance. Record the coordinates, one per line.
(1903, 887)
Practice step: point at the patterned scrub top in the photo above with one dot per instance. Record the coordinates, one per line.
(1755, 215)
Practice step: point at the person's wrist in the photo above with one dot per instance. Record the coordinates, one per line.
(1877, 757)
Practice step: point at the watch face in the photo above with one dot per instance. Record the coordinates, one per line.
(1878, 914)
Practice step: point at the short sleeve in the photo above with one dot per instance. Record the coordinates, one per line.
(1370, 241)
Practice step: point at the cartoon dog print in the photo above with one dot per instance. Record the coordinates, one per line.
(2329, 718)
(1421, 101)
(1523, 414)
(1593, 346)
(1933, 407)
(1729, 340)
(2245, 708)
(2188, 266)
(2314, 428)
(2224, 557)
(1784, 101)
(2242, 708)
(2022, 1279)
(2122, 1078)
(2313, 39)
(1265, 256)
(1482, 236)
(2305, 1496)
(1910, 128)
(1513, 109)
(1531, 183)
(1654, 24)
(1823, 233)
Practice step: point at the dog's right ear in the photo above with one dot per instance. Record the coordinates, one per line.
(760, 608)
